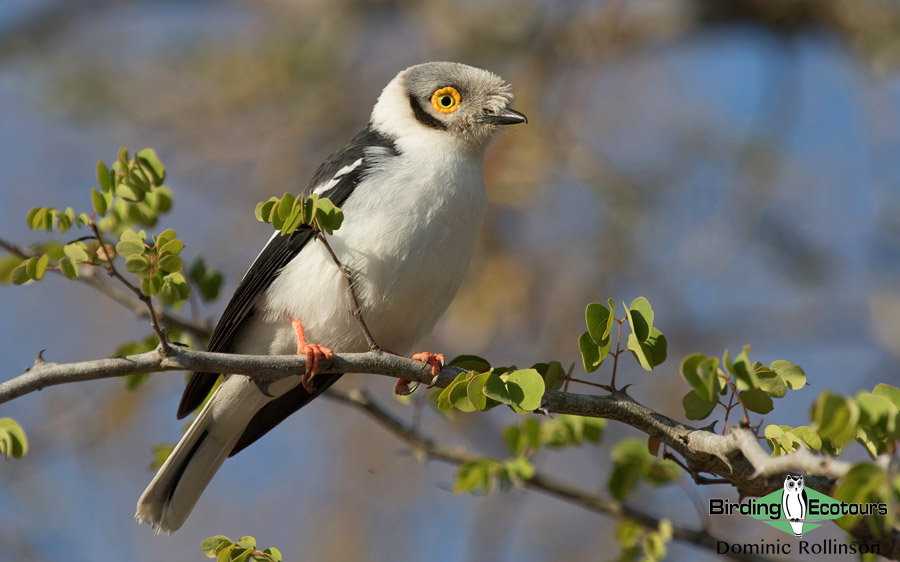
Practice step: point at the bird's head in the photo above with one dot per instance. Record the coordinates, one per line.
(463, 102)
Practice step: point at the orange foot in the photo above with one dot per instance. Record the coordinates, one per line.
(314, 354)
(436, 360)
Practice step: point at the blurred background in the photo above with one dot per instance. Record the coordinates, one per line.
(736, 162)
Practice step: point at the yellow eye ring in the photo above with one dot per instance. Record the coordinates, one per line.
(446, 100)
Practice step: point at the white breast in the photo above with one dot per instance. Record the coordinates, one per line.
(408, 234)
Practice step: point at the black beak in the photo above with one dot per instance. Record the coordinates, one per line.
(505, 117)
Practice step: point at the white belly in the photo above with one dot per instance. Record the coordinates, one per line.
(408, 238)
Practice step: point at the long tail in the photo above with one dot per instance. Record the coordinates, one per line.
(175, 489)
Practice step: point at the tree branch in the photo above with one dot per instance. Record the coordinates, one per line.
(736, 457)
(424, 448)
(87, 276)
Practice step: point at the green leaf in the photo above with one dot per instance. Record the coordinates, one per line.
(264, 209)
(495, 389)
(471, 363)
(459, 397)
(529, 384)
(225, 554)
(77, 252)
(209, 282)
(172, 247)
(756, 400)
(808, 436)
(138, 265)
(590, 353)
(67, 268)
(864, 483)
(892, 393)
(835, 417)
(19, 274)
(475, 391)
(640, 318)
(152, 166)
(696, 407)
(744, 374)
(98, 201)
(328, 217)
(36, 266)
(13, 443)
(104, 177)
(552, 373)
(273, 553)
(793, 375)
(7, 265)
(630, 458)
(169, 263)
(649, 353)
(444, 397)
(771, 383)
(129, 248)
(596, 317)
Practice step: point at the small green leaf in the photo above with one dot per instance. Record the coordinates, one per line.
(475, 391)
(264, 209)
(471, 363)
(67, 268)
(13, 443)
(808, 436)
(273, 553)
(596, 317)
(104, 177)
(170, 263)
(640, 318)
(757, 400)
(696, 407)
(459, 397)
(793, 375)
(152, 166)
(590, 353)
(77, 252)
(835, 417)
(173, 247)
(771, 383)
(744, 374)
(19, 274)
(495, 389)
(35, 267)
(892, 393)
(7, 265)
(98, 201)
(529, 384)
(444, 397)
(138, 265)
(128, 248)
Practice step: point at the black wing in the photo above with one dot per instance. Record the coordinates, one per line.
(279, 252)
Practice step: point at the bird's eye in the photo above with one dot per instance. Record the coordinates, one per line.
(446, 100)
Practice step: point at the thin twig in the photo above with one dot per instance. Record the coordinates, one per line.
(348, 277)
(425, 448)
(114, 292)
(146, 299)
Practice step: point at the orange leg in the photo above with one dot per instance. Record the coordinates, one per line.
(314, 353)
(436, 360)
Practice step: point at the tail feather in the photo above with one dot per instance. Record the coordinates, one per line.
(175, 489)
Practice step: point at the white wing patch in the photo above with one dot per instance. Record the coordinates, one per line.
(269, 241)
(337, 177)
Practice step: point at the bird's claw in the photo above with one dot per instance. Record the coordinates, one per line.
(436, 360)
(314, 354)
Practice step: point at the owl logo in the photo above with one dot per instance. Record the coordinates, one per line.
(794, 503)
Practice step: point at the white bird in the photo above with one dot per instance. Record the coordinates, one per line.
(411, 186)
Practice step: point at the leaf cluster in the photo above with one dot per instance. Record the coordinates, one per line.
(640, 543)
(484, 387)
(157, 263)
(751, 384)
(632, 462)
(244, 549)
(646, 343)
(288, 213)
